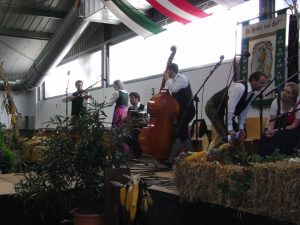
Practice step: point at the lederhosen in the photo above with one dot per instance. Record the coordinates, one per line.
(186, 114)
(221, 98)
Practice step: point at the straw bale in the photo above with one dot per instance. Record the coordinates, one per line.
(37, 153)
(25, 152)
(271, 189)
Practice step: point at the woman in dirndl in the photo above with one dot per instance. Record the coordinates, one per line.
(120, 98)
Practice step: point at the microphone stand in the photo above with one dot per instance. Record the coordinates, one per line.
(196, 97)
(280, 85)
(226, 92)
(206, 79)
(260, 96)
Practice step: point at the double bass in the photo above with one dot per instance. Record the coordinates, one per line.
(156, 138)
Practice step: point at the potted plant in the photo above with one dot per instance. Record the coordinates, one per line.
(70, 177)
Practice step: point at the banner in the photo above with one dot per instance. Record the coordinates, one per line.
(132, 18)
(178, 10)
(265, 41)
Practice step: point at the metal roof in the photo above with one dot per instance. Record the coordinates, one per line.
(27, 26)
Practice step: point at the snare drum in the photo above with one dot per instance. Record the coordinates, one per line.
(137, 118)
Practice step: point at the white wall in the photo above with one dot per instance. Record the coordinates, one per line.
(50, 107)
(21, 101)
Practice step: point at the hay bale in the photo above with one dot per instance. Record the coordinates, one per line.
(29, 152)
(25, 152)
(37, 153)
(271, 189)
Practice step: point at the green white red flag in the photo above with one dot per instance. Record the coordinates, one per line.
(133, 18)
(178, 10)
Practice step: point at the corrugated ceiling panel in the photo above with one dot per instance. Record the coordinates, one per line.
(91, 38)
(11, 20)
(42, 25)
(51, 25)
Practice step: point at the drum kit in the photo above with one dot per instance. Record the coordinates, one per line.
(137, 119)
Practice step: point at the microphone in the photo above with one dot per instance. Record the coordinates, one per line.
(244, 54)
(68, 73)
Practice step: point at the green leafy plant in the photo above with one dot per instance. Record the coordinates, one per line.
(229, 154)
(8, 157)
(275, 156)
(71, 174)
(236, 184)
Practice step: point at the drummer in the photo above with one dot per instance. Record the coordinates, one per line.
(135, 98)
(137, 111)
(137, 117)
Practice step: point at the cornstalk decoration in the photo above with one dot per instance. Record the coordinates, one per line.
(9, 105)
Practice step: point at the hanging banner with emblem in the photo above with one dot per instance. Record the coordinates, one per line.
(265, 41)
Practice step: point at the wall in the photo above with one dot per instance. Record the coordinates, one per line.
(50, 107)
(21, 101)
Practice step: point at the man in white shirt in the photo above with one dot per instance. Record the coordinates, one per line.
(180, 88)
(134, 99)
(237, 100)
(137, 112)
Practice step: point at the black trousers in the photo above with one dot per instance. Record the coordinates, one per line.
(284, 140)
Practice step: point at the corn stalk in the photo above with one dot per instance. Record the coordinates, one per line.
(9, 105)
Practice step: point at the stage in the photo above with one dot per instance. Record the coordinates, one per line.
(167, 207)
(7, 183)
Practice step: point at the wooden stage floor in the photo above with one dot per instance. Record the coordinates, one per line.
(168, 209)
(8, 181)
(155, 174)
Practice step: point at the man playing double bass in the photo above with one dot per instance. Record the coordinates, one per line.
(180, 88)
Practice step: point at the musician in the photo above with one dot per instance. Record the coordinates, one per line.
(238, 97)
(80, 99)
(134, 99)
(120, 98)
(137, 118)
(137, 112)
(180, 88)
(281, 130)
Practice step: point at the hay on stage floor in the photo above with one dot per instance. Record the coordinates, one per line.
(271, 189)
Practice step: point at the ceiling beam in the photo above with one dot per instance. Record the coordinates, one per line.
(32, 12)
(25, 34)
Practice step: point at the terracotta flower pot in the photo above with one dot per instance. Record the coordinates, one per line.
(88, 219)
